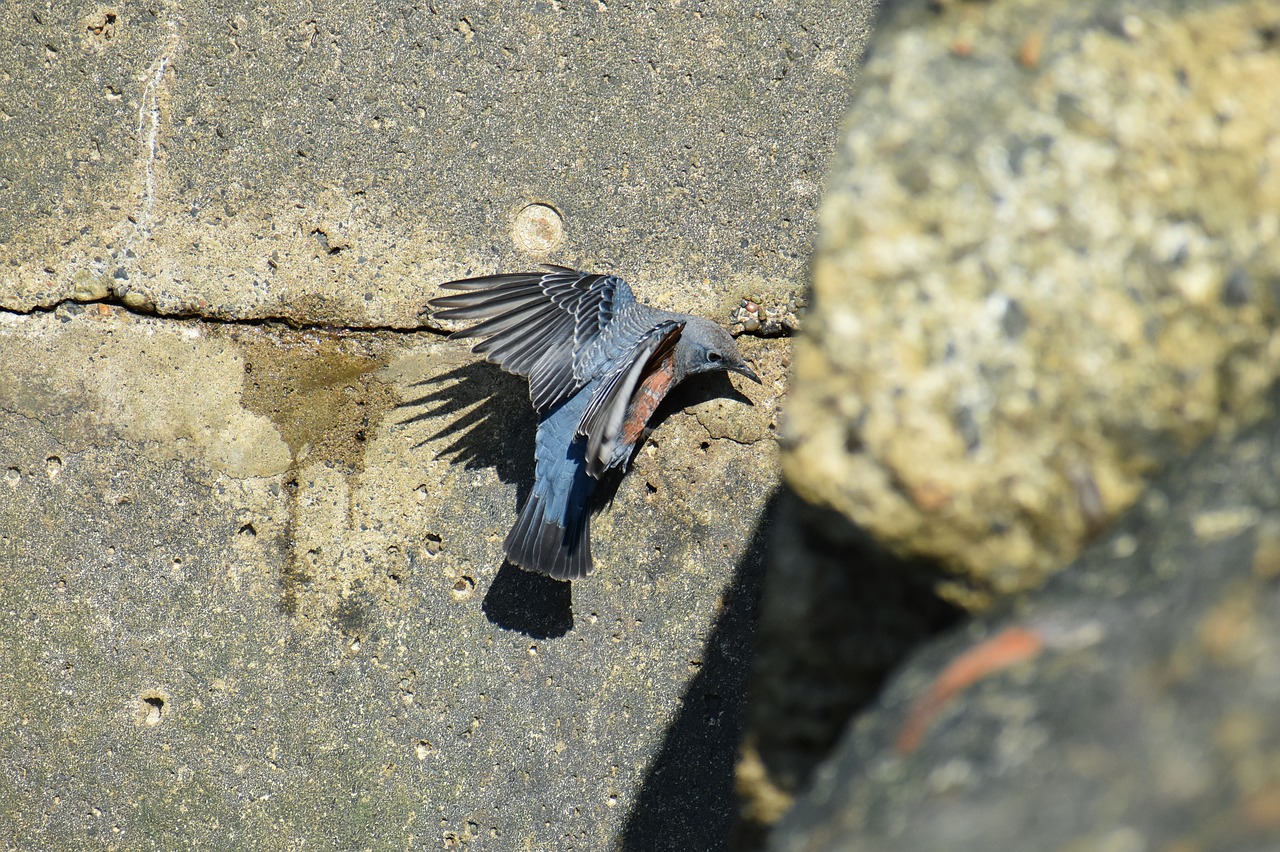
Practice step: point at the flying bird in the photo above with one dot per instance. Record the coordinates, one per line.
(598, 363)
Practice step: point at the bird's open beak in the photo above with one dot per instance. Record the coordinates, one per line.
(748, 372)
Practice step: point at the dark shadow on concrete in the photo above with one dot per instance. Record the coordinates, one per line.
(486, 413)
(536, 605)
(694, 390)
(687, 799)
(839, 614)
(488, 421)
(817, 617)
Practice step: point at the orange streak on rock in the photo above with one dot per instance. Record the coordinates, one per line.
(1261, 809)
(1007, 648)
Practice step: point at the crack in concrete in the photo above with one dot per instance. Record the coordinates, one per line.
(117, 304)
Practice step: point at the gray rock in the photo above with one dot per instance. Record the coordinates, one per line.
(1046, 269)
(1130, 704)
(329, 162)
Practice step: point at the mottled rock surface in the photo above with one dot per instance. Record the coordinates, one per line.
(1048, 265)
(1129, 704)
(330, 161)
(251, 595)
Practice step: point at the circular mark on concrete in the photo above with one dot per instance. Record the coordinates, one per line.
(538, 229)
(151, 707)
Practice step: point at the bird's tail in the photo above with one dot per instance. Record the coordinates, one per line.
(539, 543)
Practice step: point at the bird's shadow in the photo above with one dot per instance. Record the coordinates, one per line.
(488, 423)
(488, 420)
(486, 413)
(536, 605)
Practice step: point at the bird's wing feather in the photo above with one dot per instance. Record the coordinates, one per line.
(537, 324)
(606, 415)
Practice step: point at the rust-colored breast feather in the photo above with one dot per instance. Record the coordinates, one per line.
(648, 397)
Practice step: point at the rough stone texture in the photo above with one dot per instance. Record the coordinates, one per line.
(251, 598)
(1130, 704)
(1048, 265)
(330, 161)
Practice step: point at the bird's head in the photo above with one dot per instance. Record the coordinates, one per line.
(705, 347)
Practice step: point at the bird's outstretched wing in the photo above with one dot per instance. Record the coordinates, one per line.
(606, 414)
(537, 324)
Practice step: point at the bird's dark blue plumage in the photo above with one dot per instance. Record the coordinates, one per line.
(598, 363)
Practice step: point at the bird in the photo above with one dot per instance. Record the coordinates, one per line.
(598, 362)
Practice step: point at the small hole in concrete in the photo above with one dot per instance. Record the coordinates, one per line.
(463, 587)
(435, 544)
(12, 477)
(151, 708)
(104, 26)
(53, 466)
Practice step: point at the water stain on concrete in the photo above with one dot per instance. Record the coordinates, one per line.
(321, 391)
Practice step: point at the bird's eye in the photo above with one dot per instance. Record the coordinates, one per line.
(713, 357)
